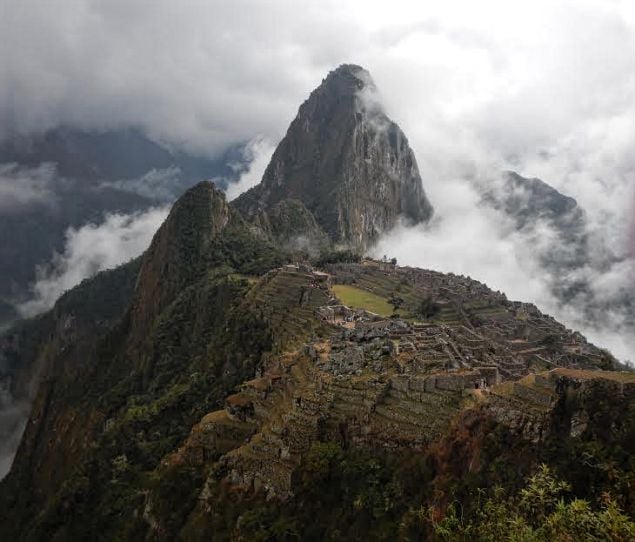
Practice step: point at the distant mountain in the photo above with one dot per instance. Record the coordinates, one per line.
(115, 155)
(84, 175)
(557, 231)
(532, 204)
(346, 162)
(530, 200)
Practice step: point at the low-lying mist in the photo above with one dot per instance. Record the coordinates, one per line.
(471, 238)
(90, 249)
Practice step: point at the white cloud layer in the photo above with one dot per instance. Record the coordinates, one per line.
(22, 187)
(90, 249)
(159, 185)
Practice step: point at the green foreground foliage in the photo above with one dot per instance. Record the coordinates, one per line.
(539, 512)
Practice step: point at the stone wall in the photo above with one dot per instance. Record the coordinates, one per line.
(534, 394)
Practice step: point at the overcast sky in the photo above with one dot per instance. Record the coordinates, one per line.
(546, 88)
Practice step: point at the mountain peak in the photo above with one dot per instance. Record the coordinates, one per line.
(202, 232)
(196, 219)
(352, 69)
(347, 79)
(346, 162)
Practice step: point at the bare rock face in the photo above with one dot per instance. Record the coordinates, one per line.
(346, 161)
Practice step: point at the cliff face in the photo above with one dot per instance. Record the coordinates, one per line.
(346, 161)
(56, 343)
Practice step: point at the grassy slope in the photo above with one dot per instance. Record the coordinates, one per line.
(362, 299)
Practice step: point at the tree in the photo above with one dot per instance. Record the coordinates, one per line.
(396, 302)
(428, 308)
(537, 513)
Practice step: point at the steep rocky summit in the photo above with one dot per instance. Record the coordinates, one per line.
(346, 162)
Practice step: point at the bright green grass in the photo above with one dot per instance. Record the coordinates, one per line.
(362, 299)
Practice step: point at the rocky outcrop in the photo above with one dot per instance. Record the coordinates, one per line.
(563, 403)
(346, 161)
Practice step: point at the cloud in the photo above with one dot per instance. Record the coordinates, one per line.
(257, 154)
(22, 187)
(631, 250)
(90, 249)
(196, 73)
(156, 184)
(467, 238)
(203, 74)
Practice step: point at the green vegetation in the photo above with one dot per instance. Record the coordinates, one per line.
(539, 512)
(245, 252)
(295, 229)
(338, 256)
(481, 482)
(412, 304)
(202, 345)
(363, 299)
(206, 341)
(132, 406)
(93, 305)
(339, 495)
(396, 302)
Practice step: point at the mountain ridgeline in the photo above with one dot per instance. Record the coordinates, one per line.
(218, 389)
